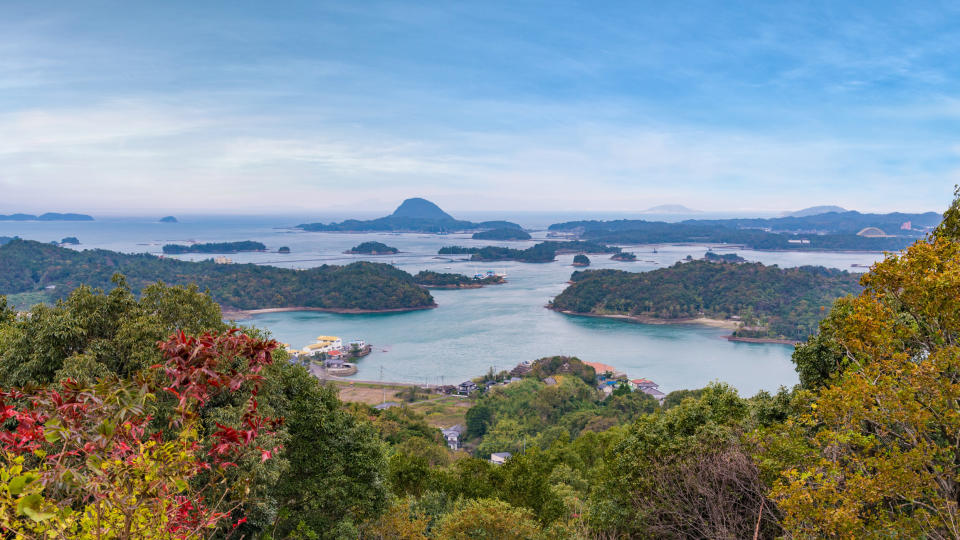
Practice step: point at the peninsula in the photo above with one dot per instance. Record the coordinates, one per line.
(835, 231)
(413, 215)
(758, 302)
(360, 287)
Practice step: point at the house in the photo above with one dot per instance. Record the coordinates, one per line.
(550, 381)
(499, 458)
(639, 384)
(324, 344)
(386, 405)
(452, 435)
(334, 361)
(466, 387)
(655, 393)
(514, 379)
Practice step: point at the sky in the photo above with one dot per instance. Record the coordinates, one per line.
(305, 107)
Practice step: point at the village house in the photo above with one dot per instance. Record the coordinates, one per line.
(452, 435)
(499, 458)
(466, 388)
(648, 387)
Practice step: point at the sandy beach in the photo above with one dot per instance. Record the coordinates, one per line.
(715, 323)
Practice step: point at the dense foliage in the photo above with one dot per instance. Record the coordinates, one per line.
(373, 248)
(30, 266)
(214, 247)
(771, 302)
(330, 472)
(504, 233)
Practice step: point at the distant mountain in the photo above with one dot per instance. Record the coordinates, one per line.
(418, 208)
(670, 209)
(413, 215)
(816, 211)
(168, 219)
(49, 216)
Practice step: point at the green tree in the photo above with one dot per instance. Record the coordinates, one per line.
(489, 519)
(337, 471)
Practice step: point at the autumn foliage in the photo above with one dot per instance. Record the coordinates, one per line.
(92, 460)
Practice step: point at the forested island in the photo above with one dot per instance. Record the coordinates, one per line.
(624, 256)
(581, 260)
(829, 231)
(503, 233)
(49, 216)
(765, 302)
(442, 280)
(214, 247)
(372, 248)
(413, 215)
(32, 267)
(726, 257)
(539, 253)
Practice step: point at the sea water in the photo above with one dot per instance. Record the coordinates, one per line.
(472, 330)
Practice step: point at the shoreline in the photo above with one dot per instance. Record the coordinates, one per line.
(763, 340)
(241, 314)
(639, 319)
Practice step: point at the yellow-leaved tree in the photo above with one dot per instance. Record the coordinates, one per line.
(884, 420)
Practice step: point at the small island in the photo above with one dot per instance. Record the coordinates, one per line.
(372, 248)
(215, 247)
(441, 280)
(49, 216)
(168, 219)
(70, 240)
(624, 256)
(284, 249)
(726, 258)
(581, 260)
(503, 233)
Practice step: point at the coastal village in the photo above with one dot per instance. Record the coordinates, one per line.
(330, 357)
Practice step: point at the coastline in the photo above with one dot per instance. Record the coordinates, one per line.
(241, 314)
(764, 340)
(639, 319)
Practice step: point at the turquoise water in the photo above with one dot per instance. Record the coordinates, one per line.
(473, 330)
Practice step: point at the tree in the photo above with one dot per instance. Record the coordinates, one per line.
(489, 519)
(85, 461)
(337, 471)
(885, 428)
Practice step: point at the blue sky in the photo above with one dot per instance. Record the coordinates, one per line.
(121, 107)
